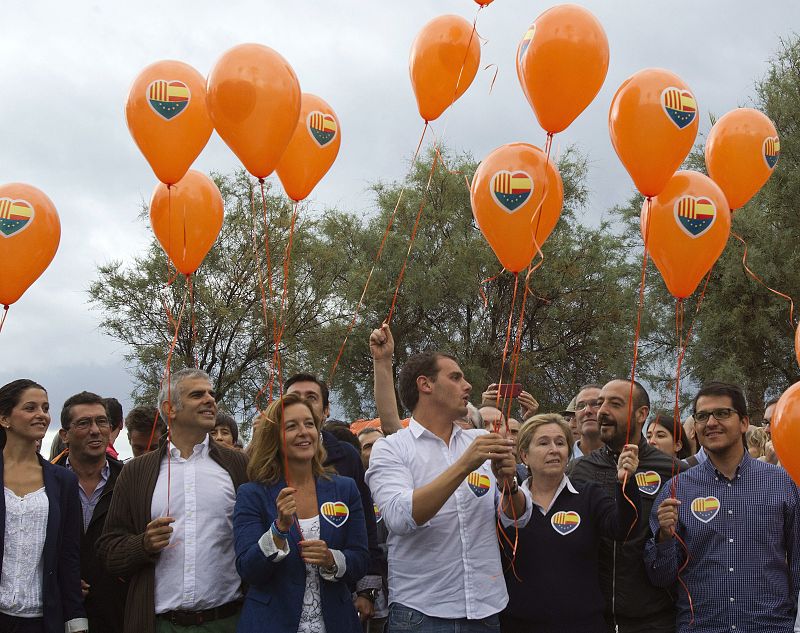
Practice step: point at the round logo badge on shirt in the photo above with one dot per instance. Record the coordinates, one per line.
(648, 482)
(705, 508)
(478, 483)
(565, 522)
(335, 512)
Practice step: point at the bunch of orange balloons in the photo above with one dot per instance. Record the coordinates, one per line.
(252, 98)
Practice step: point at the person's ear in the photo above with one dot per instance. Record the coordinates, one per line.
(62, 434)
(424, 384)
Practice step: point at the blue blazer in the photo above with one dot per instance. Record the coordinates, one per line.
(61, 582)
(274, 597)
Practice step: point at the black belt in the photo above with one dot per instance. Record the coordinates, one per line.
(196, 618)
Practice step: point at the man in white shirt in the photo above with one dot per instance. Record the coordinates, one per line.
(438, 487)
(169, 528)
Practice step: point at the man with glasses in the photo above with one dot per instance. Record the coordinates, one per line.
(633, 604)
(85, 429)
(728, 529)
(585, 407)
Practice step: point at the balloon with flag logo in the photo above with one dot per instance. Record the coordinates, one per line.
(785, 431)
(516, 193)
(254, 102)
(444, 60)
(30, 232)
(312, 150)
(686, 230)
(168, 118)
(187, 218)
(653, 124)
(563, 60)
(741, 151)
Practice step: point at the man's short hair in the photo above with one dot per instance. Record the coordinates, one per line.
(771, 402)
(114, 409)
(369, 429)
(84, 397)
(169, 389)
(592, 385)
(343, 434)
(141, 419)
(640, 396)
(420, 364)
(734, 392)
(303, 377)
(227, 420)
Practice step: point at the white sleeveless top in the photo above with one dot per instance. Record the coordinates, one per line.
(23, 561)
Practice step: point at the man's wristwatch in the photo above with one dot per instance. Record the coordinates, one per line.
(369, 594)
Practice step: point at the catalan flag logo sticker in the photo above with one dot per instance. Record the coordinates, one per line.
(322, 127)
(565, 522)
(648, 482)
(168, 98)
(705, 508)
(772, 150)
(511, 190)
(378, 515)
(523, 45)
(679, 105)
(335, 512)
(695, 216)
(15, 216)
(478, 483)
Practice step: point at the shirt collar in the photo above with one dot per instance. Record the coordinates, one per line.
(417, 429)
(565, 483)
(104, 472)
(199, 449)
(743, 466)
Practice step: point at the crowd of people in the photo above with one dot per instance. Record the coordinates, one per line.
(602, 517)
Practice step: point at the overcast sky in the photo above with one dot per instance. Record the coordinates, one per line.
(65, 71)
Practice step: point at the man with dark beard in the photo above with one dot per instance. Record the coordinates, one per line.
(633, 603)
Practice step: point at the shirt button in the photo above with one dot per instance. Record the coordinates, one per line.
(731, 599)
(730, 568)
(730, 511)
(729, 484)
(730, 540)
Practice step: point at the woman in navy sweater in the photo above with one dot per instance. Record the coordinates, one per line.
(553, 585)
(40, 519)
(299, 547)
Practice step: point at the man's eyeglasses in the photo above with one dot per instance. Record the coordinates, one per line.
(84, 424)
(587, 404)
(719, 415)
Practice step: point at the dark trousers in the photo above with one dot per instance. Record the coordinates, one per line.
(657, 623)
(11, 624)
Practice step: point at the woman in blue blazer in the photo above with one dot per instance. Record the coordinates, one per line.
(299, 547)
(40, 582)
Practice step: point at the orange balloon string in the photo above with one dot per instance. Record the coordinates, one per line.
(501, 534)
(759, 280)
(3, 320)
(269, 283)
(259, 275)
(505, 347)
(496, 70)
(374, 263)
(515, 354)
(413, 236)
(486, 281)
(680, 579)
(193, 322)
(60, 455)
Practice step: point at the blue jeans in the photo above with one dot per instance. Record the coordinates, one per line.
(402, 618)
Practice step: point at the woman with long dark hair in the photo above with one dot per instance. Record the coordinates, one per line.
(40, 513)
(299, 530)
(661, 435)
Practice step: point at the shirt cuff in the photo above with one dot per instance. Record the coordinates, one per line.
(522, 520)
(270, 550)
(341, 567)
(369, 581)
(76, 624)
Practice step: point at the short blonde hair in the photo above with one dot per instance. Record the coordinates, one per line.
(528, 430)
(756, 437)
(266, 451)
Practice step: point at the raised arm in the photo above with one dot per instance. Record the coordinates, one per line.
(381, 344)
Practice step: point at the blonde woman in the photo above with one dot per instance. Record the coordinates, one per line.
(298, 547)
(557, 549)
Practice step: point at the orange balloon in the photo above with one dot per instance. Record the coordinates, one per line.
(564, 64)
(689, 226)
(785, 431)
(168, 118)
(522, 47)
(483, 3)
(742, 150)
(186, 219)
(653, 125)
(29, 235)
(254, 102)
(312, 150)
(444, 60)
(797, 344)
(507, 193)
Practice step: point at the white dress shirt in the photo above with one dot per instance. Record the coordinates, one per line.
(197, 570)
(450, 566)
(23, 563)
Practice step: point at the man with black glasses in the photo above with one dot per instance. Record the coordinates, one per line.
(728, 529)
(85, 429)
(586, 407)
